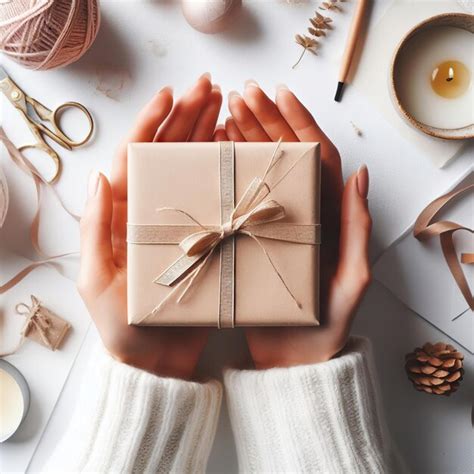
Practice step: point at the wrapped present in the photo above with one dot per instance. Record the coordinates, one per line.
(42, 325)
(223, 234)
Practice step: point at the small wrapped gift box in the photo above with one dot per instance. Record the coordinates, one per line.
(223, 234)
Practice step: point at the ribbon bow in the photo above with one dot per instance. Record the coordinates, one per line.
(250, 211)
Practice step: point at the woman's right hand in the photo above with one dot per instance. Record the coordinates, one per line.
(172, 352)
(346, 224)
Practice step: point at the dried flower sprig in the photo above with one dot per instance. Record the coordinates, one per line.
(321, 22)
(319, 25)
(308, 44)
(331, 5)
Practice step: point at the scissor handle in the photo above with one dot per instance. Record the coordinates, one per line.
(53, 155)
(59, 131)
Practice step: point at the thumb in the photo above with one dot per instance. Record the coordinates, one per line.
(353, 272)
(97, 265)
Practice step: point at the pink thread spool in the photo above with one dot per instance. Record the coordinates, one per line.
(45, 34)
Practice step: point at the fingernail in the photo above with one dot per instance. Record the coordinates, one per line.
(282, 87)
(363, 181)
(233, 95)
(251, 83)
(94, 178)
(216, 87)
(206, 75)
(167, 89)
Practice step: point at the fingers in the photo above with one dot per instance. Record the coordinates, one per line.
(353, 272)
(204, 128)
(97, 266)
(180, 123)
(233, 131)
(248, 125)
(298, 117)
(220, 134)
(148, 121)
(267, 113)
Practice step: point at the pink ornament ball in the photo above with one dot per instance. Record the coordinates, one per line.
(210, 16)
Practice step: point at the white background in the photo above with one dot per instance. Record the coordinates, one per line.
(143, 46)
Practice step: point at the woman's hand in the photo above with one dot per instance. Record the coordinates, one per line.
(102, 283)
(346, 227)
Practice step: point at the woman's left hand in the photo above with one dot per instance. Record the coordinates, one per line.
(345, 270)
(172, 352)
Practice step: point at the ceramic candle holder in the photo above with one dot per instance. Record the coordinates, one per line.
(14, 399)
(432, 76)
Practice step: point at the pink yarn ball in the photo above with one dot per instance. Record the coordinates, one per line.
(45, 34)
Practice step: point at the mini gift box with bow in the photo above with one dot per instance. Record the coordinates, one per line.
(223, 234)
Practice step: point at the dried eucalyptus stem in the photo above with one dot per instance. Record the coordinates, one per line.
(308, 44)
(319, 25)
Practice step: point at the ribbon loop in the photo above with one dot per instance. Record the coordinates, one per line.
(425, 229)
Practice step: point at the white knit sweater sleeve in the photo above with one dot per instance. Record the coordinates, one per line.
(128, 420)
(321, 418)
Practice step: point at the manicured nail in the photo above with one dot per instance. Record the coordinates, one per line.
(282, 87)
(167, 89)
(216, 87)
(251, 83)
(233, 95)
(363, 181)
(206, 75)
(94, 178)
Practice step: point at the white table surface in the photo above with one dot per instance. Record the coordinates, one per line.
(145, 45)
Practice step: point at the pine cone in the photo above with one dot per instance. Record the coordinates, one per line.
(435, 368)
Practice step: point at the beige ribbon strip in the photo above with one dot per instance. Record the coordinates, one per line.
(27, 167)
(252, 216)
(425, 229)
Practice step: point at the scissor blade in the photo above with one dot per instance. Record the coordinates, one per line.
(30, 110)
(3, 74)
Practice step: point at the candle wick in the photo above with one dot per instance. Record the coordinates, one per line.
(451, 75)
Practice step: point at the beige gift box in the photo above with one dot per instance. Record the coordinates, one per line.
(260, 279)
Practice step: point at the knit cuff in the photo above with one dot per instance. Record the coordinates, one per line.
(130, 420)
(324, 417)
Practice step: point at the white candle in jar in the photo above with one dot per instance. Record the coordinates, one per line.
(14, 400)
(435, 77)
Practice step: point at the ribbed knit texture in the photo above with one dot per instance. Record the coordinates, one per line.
(321, 418)
(128, 420)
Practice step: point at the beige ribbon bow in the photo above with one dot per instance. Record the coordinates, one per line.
(249, 211)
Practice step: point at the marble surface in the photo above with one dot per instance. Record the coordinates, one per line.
(144, 45)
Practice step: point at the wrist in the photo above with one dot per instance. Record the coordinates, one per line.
(291, 361)
(157, 367)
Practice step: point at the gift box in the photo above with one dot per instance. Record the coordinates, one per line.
(223, 234)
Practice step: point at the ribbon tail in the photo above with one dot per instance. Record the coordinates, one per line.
(186, 282)
(451, 259)
(178, 269)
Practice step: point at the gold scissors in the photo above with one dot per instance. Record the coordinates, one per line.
(35, 114)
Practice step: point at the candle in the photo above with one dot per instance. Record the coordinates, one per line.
(433, 74)
(14, 400)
